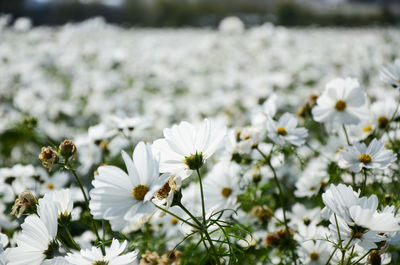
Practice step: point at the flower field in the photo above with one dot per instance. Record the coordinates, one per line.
(264, 145)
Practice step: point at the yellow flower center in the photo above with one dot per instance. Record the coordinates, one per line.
(314, 256)
(139, 192)
(365, 158)
(340, 105)
(382, 121)
(226, 192)
(367, 128)
(50, 186)
(174, 221)
(282, 131)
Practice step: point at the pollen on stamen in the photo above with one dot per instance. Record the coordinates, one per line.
(139, 192)
(367, 128)
(314, 256)
(282, 131)
(340, 105)
(365, 158)
(226, 192)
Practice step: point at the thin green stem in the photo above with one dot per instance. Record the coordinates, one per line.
(71, 239)
(203, 227)
(345, 133)
(78, 181)
(331, 256)
(365, 182)
(202, 197)
(351, 254)
(190, 214)
(280, 195)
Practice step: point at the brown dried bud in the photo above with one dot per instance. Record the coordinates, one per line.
(171, 257)
(263, 213)
(149, 258)
(25, 201)
(68, 149)
(271, 240)
(49, 157)
(374, 258)
(163, 192)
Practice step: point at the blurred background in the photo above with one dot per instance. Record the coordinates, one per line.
(208, 13)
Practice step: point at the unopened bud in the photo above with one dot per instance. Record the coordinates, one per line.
(68, 149)
(49, 157)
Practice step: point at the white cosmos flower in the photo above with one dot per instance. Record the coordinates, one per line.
(62, 200)
(113, 255)
(360, 212)
(391, 74)
(285, 130)
(359, 156)
(117, 195)
(338, 199)
(36, 241)
(342, 102)
(186, 147)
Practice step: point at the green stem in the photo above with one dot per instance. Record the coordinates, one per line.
(280, 195)
(330, 257)
(78, 181)
(190, 214)
(345, 133)
(203, 227)
(202, 197)
(364, 183)
(71, 240)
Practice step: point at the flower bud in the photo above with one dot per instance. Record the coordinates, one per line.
(68, 149)
(49, 157)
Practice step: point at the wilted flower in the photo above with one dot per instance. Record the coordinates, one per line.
(25, 201)
(49, 157)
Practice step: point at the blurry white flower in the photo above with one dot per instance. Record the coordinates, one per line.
(342, 102)
(312, 179)
(301, 215)
(22, 24)
(285, 130)
(221, 187)
(231, 25)
(117, 195)
(113, 255)
(186, 147)
(391, 74)
(359, 156)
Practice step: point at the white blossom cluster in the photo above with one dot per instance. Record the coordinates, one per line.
(234, 146)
